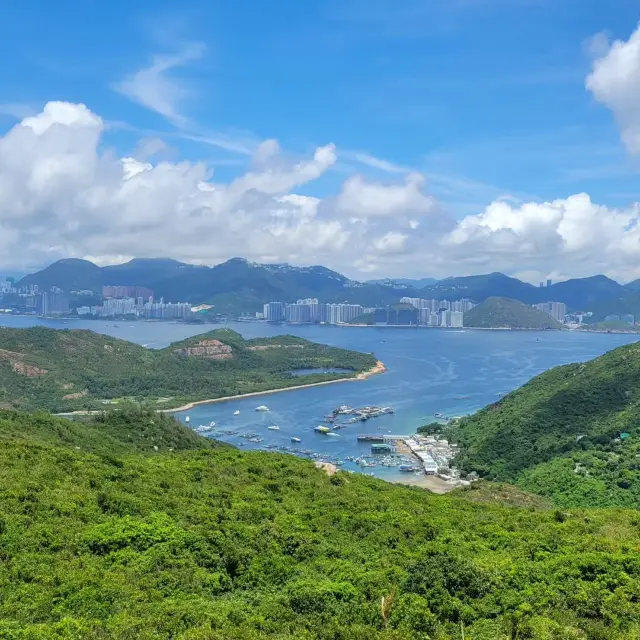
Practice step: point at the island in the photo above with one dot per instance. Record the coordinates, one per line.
(503, 313)
(79, 370)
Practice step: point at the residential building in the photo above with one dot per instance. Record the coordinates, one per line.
(456, 319)
(557, 310)
(118, 291)
(274, 311)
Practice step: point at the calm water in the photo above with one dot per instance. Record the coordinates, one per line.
(429, 371)
(308, 372)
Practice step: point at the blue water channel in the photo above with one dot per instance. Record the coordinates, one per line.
(430, 371)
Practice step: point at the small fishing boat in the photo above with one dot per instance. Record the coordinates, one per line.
(333, 435)
(294, 439)
(322, 429)
(274, 427)
(262, 407)
(212, 424)
(236, 412)
(187, 419)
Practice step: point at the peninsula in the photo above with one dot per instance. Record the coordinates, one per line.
(79, 371)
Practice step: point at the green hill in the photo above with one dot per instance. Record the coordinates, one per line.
(104, 537)
(62, 371)
(571, 434)
(505, 313)
(234, 286)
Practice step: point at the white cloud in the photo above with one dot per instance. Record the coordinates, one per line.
(62, 195)
(615, 82)
(367, 199)
(377, 163)
(572, 235)
(155, 88)
(390, 242)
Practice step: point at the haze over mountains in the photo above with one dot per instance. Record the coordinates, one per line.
(239, 285)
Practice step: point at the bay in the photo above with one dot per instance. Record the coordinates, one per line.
(429, 371)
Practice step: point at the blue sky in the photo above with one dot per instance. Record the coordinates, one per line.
(485, 99)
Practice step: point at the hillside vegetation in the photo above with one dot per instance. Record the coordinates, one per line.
(571, 434)
(505, 313)
(234, 286)
(126, 526)
(62, 371)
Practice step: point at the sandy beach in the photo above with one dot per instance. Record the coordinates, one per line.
(379, 368)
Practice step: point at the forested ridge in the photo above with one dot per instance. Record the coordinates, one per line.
(571, 434)
(70, 370)
(127, 525)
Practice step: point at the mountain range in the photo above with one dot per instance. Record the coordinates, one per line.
(239, 285)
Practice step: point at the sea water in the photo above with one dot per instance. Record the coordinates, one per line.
(429, 371)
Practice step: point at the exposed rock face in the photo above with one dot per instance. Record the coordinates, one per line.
(209, 349)
(15, 359)
(75, 396)
(28, 370)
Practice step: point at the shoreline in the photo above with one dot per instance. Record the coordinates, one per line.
(378, 368)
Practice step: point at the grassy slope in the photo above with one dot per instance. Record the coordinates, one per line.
(108, 368)
(217, 543)
(502, 312)
(558, 434)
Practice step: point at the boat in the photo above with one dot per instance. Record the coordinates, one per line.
(294, 439)
(236, 412)
(262, 407)
(333, 435)
(438, 415)
(187, 419)
(204, 428)
(274, 427)
(322, 429)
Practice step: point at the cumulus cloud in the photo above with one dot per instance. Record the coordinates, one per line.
(573, 235)
(63, 195)
(60, 196)
(367, 199)
(615, 82)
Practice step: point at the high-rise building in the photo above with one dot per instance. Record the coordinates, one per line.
(274, 311)
(557, 310)
(549, 282)
(456, 319)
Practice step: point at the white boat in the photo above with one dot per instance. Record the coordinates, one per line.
(262, 407)
(333, 435)
(187, 419)
(212, 425)
(294, 439)
(236, 412)
(274, 427)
